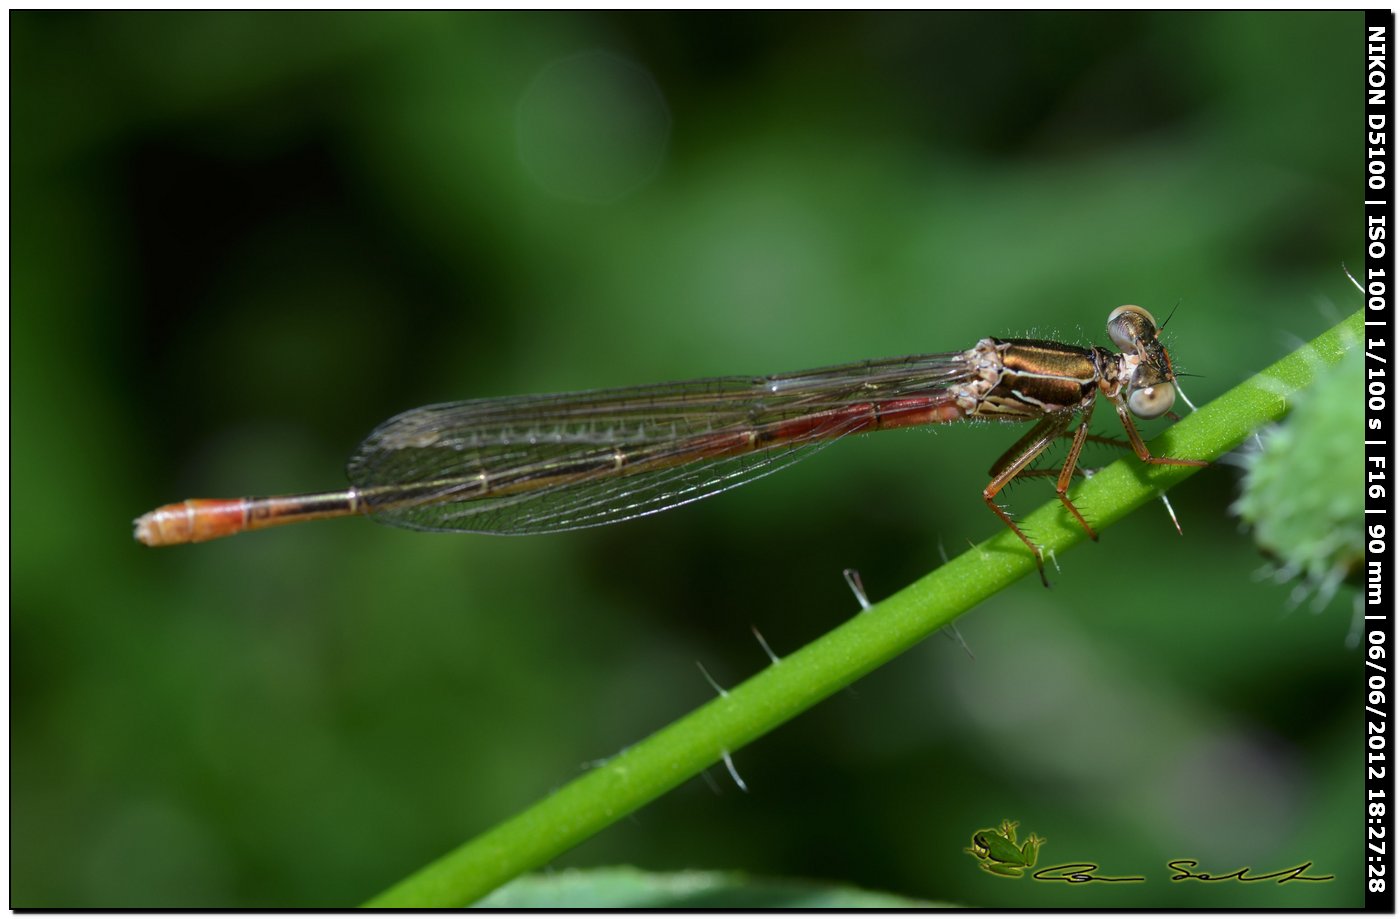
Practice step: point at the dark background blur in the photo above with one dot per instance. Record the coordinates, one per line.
(241, 240)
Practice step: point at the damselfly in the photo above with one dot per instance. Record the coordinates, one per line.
(540, 464)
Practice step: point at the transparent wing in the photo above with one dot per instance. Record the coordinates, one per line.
(538, 464)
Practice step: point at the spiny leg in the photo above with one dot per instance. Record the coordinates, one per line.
(1053, 473)
(1117, 443)
(1070, 468)
(1140, 448)
(1012, 463)
(1071, 463)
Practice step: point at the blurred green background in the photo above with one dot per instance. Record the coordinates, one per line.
(241, 240)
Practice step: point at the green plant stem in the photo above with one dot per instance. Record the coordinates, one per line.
(700, 739)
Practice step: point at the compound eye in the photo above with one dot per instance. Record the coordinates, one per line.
(1128, 325)
(1152, 401)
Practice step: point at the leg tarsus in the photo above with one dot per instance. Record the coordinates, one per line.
(1006, 519)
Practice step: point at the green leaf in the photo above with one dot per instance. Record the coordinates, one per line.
(631, 888)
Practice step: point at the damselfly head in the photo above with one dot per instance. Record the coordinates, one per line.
(1150, 390)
